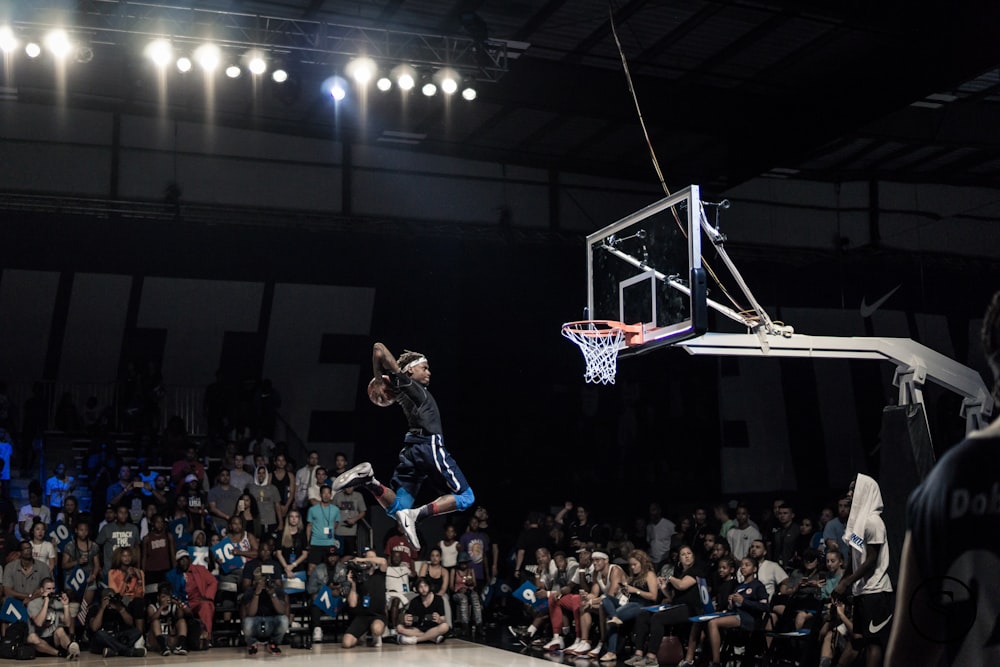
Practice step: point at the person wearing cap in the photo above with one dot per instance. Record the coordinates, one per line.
(801, 593)
(332, 573)
(465, 594)
(366, 599)
(195, 587)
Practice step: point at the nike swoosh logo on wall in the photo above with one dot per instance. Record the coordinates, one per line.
(867, 311)
(874, 629)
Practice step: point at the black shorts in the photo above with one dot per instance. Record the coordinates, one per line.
(873, 617)
(359, 625)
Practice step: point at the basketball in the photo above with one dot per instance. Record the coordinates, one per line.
(382, 396)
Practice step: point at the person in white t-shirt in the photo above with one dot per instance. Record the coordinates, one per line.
(659, 532)
(869, 577)
(742, 534)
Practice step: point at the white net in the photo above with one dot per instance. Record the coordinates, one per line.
(599, 342)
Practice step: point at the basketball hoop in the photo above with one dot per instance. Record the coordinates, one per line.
(599, 341)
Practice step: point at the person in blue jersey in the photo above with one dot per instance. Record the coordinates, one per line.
(423, 457)
(749, 601)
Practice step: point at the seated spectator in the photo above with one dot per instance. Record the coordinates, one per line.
(838, 626)
(639, 590)
(41, 548)
(465, 595)
(398, 586)
(436, 573)
(128, 581)
(366, 599)
(725, 586)
(166, 620)
(22, 578)
(332, 573)
(264, 606)
(802, 593)
(749, 602)
(51, 622)
(246, 510)
(681, 590)
(113, 630)
(569, 598)
(543, 580)
(424, 619)
(33, 511)
(608, 580)
(768, 573)
(195, 587)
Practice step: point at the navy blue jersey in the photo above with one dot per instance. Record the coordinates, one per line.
(418, 405)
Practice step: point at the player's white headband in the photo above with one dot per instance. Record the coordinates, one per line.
(414, 363)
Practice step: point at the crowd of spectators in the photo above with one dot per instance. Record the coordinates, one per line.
(145, 570)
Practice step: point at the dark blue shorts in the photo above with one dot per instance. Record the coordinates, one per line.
(425, 458)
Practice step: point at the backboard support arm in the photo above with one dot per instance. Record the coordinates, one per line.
(916, 364)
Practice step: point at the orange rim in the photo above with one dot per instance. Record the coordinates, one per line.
(633, 332)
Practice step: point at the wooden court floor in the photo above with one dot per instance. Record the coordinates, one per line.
(454, 652)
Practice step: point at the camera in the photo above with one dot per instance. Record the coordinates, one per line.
(361, 570)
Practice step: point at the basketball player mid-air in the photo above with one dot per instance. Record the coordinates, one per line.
(423, 456)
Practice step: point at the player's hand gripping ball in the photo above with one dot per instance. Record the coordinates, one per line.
(381, 393)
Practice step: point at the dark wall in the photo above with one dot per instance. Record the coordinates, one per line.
(486, 306)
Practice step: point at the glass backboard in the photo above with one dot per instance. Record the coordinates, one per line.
(646, 269)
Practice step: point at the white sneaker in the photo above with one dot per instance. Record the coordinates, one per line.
(406, 639)
(317, 634)
(407, 520)
(575, 647)
(555, 644)
(73, 651)
(139, 643)
(297, 625)
(596, 651)
(356, 476)
(377, 642)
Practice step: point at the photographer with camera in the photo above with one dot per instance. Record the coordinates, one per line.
(113, 630)
(423, 620)
(51, 622)
(264, 605)
(366, 598)
(167, 622)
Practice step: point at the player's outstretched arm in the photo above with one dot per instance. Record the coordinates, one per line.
(382, 360)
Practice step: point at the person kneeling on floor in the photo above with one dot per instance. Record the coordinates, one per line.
(424, 620)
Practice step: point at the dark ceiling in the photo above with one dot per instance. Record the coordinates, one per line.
(729, 90)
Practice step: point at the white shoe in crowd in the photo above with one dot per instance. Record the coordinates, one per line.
(555, 644)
